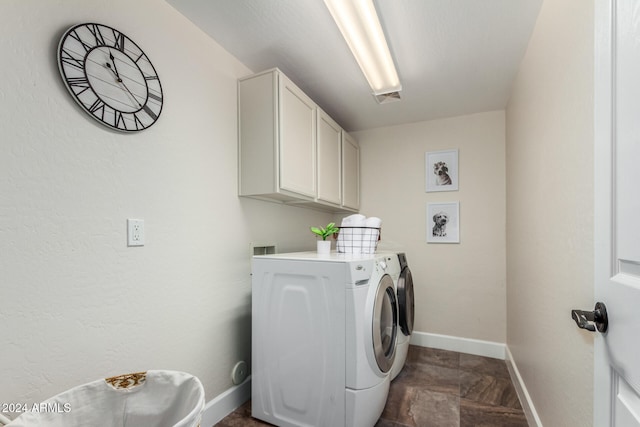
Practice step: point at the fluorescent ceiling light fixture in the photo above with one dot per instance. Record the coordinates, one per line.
(360, 27)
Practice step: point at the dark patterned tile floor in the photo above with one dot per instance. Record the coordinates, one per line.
(438, 388)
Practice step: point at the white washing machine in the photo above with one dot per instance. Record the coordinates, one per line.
(399, 271)
(324, 331)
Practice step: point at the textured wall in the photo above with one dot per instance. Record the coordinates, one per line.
(550, 213)
(75, 303)
(459, 288)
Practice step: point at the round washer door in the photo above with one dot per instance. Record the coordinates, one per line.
(405, 301)
(385, 324)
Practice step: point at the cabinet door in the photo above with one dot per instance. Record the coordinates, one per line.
(329, 142)
(350, 172)
(297, 152)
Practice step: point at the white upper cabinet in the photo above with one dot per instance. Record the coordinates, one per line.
(350, 172)
(297, 139)
(289, 150)
(329, 157)
(277, 140)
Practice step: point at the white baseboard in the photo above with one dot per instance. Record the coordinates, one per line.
(461, 345)
(525, 399)
(224, 404)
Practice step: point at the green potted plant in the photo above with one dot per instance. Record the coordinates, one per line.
(324, 246)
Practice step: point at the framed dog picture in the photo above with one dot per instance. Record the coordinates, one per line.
(443, 222)
(441, 170)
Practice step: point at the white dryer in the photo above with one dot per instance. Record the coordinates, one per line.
(404, 290)
(324, 331)
(399, 271)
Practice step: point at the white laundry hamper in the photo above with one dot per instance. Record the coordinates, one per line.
(143, 399)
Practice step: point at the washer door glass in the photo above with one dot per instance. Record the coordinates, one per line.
(385, 324)
(405, 301)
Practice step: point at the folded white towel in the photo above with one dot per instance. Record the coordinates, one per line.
(358, 221)
(355, 220)
(373, 222)
(350, 239)
(359, 235)
(370, 237)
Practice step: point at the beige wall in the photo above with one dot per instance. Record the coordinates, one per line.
(75, 303)
(550, 213)
(459, 288)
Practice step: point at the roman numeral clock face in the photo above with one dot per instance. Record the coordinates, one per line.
(110, 77)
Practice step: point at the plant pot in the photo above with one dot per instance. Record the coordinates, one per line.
(324, 246)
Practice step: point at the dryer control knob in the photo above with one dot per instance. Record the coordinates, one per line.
(383, 265)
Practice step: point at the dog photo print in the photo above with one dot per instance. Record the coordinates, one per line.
(443, 222)
(441, 170)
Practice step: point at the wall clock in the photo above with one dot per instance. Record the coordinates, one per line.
(111, 78)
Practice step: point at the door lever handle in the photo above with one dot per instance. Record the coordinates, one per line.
(582, 319)
(590, 320)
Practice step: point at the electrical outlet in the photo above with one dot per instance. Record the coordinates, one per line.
(135, 232)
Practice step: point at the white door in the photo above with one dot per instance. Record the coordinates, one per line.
(617, 211)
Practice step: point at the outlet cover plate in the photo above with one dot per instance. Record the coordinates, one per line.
(135, 232)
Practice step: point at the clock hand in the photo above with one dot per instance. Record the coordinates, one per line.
(119, 80)
(115, 73)
(127, 89)
(113, 61)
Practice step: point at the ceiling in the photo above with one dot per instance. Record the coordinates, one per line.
(453, 57)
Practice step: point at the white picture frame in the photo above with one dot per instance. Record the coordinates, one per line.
(443, 222)
(441, 170)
